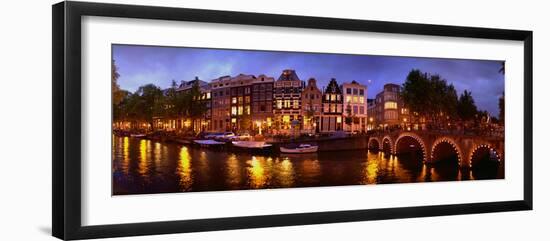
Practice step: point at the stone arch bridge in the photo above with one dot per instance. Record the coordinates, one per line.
(434, 146)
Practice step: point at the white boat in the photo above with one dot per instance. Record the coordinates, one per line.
(137, 135)
(208, 142)
(303, 148)
(251, 144)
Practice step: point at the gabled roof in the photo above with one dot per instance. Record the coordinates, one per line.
(333, 87)
(288, 74)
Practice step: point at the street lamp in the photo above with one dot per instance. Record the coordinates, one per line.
(259, 124)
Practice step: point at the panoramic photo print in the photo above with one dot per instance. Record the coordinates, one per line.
(188, 119)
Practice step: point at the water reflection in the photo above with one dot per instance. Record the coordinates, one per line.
(184, 170)
(143, 166)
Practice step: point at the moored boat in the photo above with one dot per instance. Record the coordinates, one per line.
(207, 143)
(251, 144)
(303, 148)
(138, 135)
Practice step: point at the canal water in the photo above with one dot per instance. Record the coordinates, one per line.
(143, 166)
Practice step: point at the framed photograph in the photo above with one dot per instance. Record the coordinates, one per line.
(169, 120)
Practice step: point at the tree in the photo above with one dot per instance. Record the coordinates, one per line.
(118, 94)
(196, 107)
(149, 104)
(466, 108)
(349, 116)
(430, 96)
(501, 108)
(309, 114)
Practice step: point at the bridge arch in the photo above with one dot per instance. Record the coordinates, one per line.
(411, 136)
(387, 145)
(445, 148)
(374, 144)
(480, 151)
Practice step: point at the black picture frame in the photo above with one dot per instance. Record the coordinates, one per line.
(66, 170)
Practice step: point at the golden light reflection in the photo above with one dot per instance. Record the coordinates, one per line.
(257, 175)
(286, 173)
(370, 171)
(184, 170)
(143, 166)
(233, 171)
(126, 154)
(157, 154)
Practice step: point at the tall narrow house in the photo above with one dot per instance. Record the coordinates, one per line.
(287, 95)
(331, 119)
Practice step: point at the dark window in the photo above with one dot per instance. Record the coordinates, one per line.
(348, 91)
(361, 92)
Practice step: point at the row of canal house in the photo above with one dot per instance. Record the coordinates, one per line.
(288, 105)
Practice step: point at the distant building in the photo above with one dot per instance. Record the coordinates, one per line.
(371, 113)
(204, 123)
(390, 111)
(331, 119)
(355, 106)
(240, 92)
(221, 106)
(287, 96)
(262, 104)
(312, 107)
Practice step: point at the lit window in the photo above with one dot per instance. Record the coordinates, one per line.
(339, 119)
(208, 95)
(296, 104)
(247, 99)
(240, 110)
(348, 98)
(234, 110)
(355, 99)
(390, 105)
(247, 110)
(362, 100)
(234, 100)
(286, 119)
(279, 104)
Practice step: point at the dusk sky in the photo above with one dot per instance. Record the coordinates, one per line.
(139, 65)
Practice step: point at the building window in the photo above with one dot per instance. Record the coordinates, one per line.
(247, 99)
(355, 99)
(240, 110)
(348, 98)
(339, 119)
(390, 105)
(234, 100)
(348, 91)
(287, 104)
(327, 97)
(362, 100)
(247, 110)
(361, 92)
(355, 91)
(296, 104)
(355, 110)
(233, 110)
(279, 104)
(404, 111)
(361, 110)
